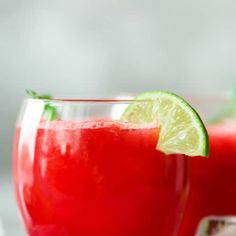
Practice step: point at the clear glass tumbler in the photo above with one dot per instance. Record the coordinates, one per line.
(86, 173)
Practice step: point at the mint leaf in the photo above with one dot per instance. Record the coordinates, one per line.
(233, 91)
(50, 111)
(31, 93)
(228, 111)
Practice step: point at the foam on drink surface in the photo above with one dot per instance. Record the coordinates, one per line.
(92, 124)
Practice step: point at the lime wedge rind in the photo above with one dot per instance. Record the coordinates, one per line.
(181, 128)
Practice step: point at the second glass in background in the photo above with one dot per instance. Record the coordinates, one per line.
(213, 184)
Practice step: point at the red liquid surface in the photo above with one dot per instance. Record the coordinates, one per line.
(213, 187)
(97, 178)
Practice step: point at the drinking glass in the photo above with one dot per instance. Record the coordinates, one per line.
(213, 181)
(83, 172)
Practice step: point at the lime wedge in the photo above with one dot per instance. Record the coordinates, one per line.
(181, 128)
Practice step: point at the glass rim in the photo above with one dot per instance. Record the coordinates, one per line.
(189, 98)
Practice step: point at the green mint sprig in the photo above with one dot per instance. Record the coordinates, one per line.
(228, 111)
(50, 111)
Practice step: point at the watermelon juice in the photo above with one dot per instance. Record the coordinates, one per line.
(213, 185)
(97, 178)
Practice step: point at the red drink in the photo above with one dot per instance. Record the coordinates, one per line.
(213, 188)
(97, 178)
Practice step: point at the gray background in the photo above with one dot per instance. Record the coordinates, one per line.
(98, 48)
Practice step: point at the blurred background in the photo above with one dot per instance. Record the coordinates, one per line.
(91, 48)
